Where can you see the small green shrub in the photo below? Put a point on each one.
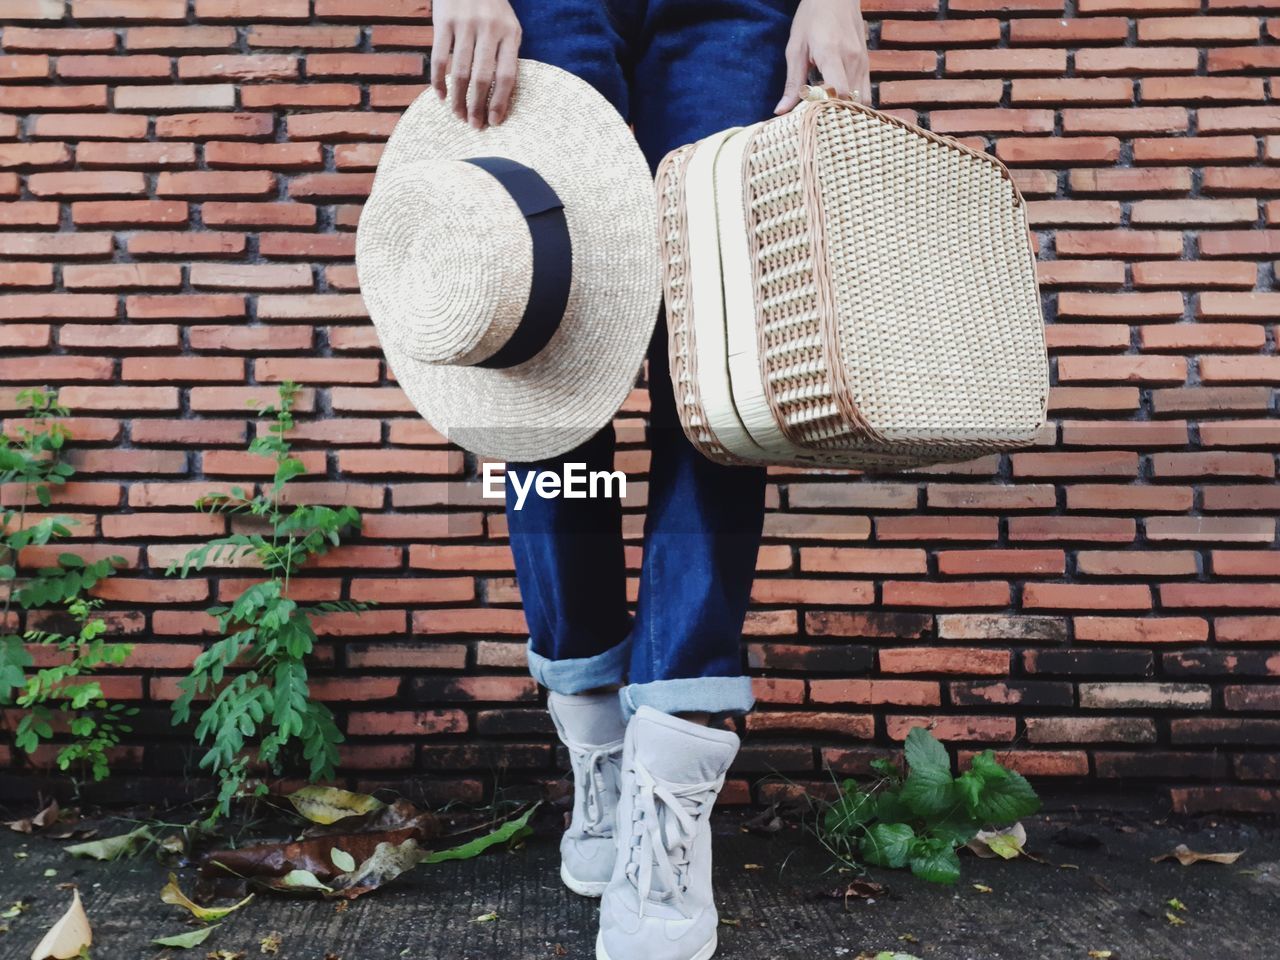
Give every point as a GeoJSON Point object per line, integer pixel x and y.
{"type": "Point", "coordinates": [921, 820]}
{"type": "Point", "coordinates": [66, 693]}
{"type": "Point", "coordinates": [261, 711]}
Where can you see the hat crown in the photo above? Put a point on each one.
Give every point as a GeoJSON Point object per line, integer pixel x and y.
{"type": "Point", "coordinates": [445, 244]}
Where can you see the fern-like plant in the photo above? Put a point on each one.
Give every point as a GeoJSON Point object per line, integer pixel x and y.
{"type": "Point", "coordinates": [260, 712]}
{"type": "Point", "coordinates": [63, 694]}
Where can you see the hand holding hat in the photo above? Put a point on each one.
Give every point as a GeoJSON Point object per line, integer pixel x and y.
{"type": "Point", "coordinates": [512, 272]}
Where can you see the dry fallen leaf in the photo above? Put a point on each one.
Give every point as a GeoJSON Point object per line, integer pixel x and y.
{"type": "Point", "coordinates": [330, 804]}
{"type": "Point", "coordinates": [68, 936]}
{"type": "Point", "coordinates": [271, 942]}
{"type": "Point", "coordinates": [1100, 955]}
{"type": "Point", "coordinates": [1006, 842]}
{"type": "Point", "coordinates": [173, 894]}
{"type": "Point", "coordinates": [1186, 856]}
{"type": "Point", "coordinates": [46, 817]}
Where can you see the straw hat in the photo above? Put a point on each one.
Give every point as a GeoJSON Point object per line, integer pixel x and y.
{"type": "Point", "coordinates": [512, 273]}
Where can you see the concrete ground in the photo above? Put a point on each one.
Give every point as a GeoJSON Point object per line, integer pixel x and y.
{"type": "Point", "coordinates": [1112, 898]}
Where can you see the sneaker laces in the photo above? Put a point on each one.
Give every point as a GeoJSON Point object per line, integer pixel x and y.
{"type": "Point", "coordinates": [664, 823]}
{"type": "Point", "coordinates": [592, 767]}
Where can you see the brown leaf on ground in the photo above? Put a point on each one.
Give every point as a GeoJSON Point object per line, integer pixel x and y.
{"type": "Point", "coordinates": [857, 890]}
{"type": "Point", "coordinates": [45, 818]}
{"type": "Point", "coordinates": [1186, 856]}
{"type": "Point", "coordinates": [358, 836]}
{"type": "Point", "coordinates": [67, 938]}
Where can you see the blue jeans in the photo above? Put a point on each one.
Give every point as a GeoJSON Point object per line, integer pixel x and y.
{"type": "Point", "coordinates": [678, 70]}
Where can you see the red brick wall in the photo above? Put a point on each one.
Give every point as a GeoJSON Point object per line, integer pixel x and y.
{"type": "Point", "coordinates": [180, 184]}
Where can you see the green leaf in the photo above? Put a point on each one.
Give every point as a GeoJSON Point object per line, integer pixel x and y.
{"type": "Point", "coordinates": [508, 831]}
{"type": "Point", "coordinates": [890, 808]}
{"type": "Point", "coordinates": [930, 792]}
{"type": "Point", "coordinates": [925, 755]}
{"type": "Point", "coordinates": [852, 810]}
{"type": "Point", "coordinates": [887, 844]}
{"type": "Point", "coordinates": [183, 941]}
{"type": "Point", "coordinates": [300, 880]}
{"type": "Point", "coordinates": [342, 860]}
{"type": "Point", "coordinates": [935, 860]}
{"type": "Point", "coordinates": [112, 848]}
{"type": "Point", "coordinates": [1006, 801]}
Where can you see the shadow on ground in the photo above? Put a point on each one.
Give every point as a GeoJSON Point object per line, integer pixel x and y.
{"type": "Point", "coordinates": [1112, 897]}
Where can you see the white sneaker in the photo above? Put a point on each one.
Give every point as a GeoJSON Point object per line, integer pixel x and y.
{"type": "Point", "coordinates": [591, 726]}
{"type": "Point", "coordinates": [659, 903]}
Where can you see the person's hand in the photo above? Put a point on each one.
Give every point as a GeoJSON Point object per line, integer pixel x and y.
{"type": "Point", "coordinates": [829, 35]}
{"type": "Point", "coordinates": [476, 44]}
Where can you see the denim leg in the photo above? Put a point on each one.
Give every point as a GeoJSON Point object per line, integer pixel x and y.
{"type": "Point", "coordinates": [573, 580]}
{"type": "Point", "coordinates": [705, 66]}
{"type": "Point", "coordinates": [569, 553]}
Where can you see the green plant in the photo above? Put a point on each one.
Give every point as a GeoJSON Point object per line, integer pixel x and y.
{"type": "Point", "coordinates": [64, 693]}
{"type": "Point", "coordinates": [920, 820]}
{"type": "Point", "coordinates": [260, 711]}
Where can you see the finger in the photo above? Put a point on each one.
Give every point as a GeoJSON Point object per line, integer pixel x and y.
{"type": "Point", "coordinates": [482, 70]}
{"type": "Point", "coordinates": [797, 67]}
{"type": "Point", "coordinates": [460, 70]}
{"type": "Point", "coordinates": [504, 81]}
{"type": "Point", "coordinates": [855, 68]}
{"type": "Point", "coordinates": [440, 58]}
{"type": "Point", "coordinates": [833, 72]}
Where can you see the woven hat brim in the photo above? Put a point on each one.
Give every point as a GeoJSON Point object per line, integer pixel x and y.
{"type": "Point", "coordinates": [574, 138]}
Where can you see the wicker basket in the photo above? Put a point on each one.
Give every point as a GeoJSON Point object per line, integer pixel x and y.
{"type": "Point", "coordinates": [846, 289]}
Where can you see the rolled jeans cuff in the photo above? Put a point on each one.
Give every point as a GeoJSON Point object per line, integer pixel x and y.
{"type": "Point", "coordinates": [581, 674]}
{"type": "Point", "coordinates": [690, 695]}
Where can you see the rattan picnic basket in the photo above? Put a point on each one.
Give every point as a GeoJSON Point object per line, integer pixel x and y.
{"type": "Point", "coordinates": [846, 289]}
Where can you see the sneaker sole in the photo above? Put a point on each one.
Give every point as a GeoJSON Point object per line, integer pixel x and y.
{"type": "Point", "coordinates": [584, 888]}
{"type": "Point", "coordinates": [704, 954]}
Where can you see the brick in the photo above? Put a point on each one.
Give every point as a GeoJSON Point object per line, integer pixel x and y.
{"type": "Point", "coordinates": [202, 183]}
{"type": "Point", "coordinates": [1129, 563]}
{"type": "Point", "coordinates": [1006, 62]}
{"type": "Point", "coordinates": [104, 183]}
{"type": "Point", "coordinates": [122, 154]}
{"type": "Point", "coordinates": [58, 39]}
{"type": "Point", "coordinates": [250, 68]}
{"type": "Point", "coordinates": [944, 660]}
{"type": "Point", "coordinates": [1068, 32]}
{"type": "Point", "coordinates": [167, 10]}
{"type": "Point", "coordinates": [98, 67]}
{"type": "Point", "coordinates": [34, 155]}
{"type": "Point", "coordinates": [1124, 61]}
{"type": "Point", "coordinates": [1194, 149]}
{"type": "Point", "coordinates": [295, 156]}
{"type": "Point", "coordinates": [79, 126]}
{"type": "Point", "coordinates": [1109, 90]}
{"type": "Point", "coordinates": [179, 39]}
{"type": "Point", "coordinates": [1198, 29]}
{"type": "Point", "coordinates": [78, 97]}
{"type": "Point", "coordinates": [252, 9]}
{"type": "Point", "coordinates": [365, 65]}
{"type": "Point", "coordinates": [207, 244]}
{"type": "Point", "coordinates": [120, 276]}
{"type": "Point", "coordinates": [275, 95]}
{"type": "Point", "coordinates": [991, 121]}
{"type": "Point", "coordinates": [123, 213]}
{"type": "Point", "coordinates": [1145, 696]}
{"type": "Point", "coordinates": [1090, 730]}
{"type": "Point", "coordinates": [251, 276]}
{"type": "Point", "coordinates": [1239, 119]}
{"type": "Point", "coordinates": [212, 126]}
{"type": "Point", "coordinates": [998, 693]}
{"type": "Point", "coordinates": [212, 96]}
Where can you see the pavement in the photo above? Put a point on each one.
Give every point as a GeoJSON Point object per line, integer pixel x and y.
{"type": "Point", "coordinates": [779, 898]}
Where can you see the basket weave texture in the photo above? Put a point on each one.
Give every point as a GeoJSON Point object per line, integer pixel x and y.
{"type": "Point", "coordinates": [897, 319]}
